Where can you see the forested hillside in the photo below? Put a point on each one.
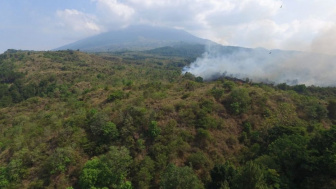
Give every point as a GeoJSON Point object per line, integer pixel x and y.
{"type": "Point", "coordinates": [133, 120]}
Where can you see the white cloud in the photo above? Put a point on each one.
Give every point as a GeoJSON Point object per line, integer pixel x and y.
{"type": "Point", "coordinates": [214, 18]}
{"type": "Point", "coordinates": [82, 24]}
{"type": "Point", "coordinates": [113, 13]}
{"type": "Point", "coordinates": [299, 24]}
{"type": "Point", "coordinates": [250, 23]}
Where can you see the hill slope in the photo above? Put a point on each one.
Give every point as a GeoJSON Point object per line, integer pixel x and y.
{"type": "Point", "coordinates": [134, 38]}
{"type": "Point", "coordinates": [70, 119]}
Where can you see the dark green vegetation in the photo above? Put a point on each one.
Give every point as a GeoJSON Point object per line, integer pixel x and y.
{"type": "Point", "coordinates": [132, 120]}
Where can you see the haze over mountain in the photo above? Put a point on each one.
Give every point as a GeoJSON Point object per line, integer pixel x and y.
{"type": "Point", "coordinates": [135, 38]}
{"type": "Point", "coordinates": [214, 60]}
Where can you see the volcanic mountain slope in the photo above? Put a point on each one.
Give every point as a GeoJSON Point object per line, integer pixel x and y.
{"type": "Point", "coordinates": [135, 38]}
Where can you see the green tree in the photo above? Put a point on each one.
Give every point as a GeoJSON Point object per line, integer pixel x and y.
{"type": "Point", "coordinates": [154, 130]}
{"type": "Point", "coordinates": [189, 76]}
{"type": "Point", "coordinates": [250, 176]}
{"type": "Point", "coordinates": [290, 153]}
{"type": "Point", "coordinates": [101, 129]}
{"type": "Point", "coordinates": [300, 88]}
{"type": "Point", "coordinates": [222, 175]}
{"type": "Point", "coordinates": [315, 110]}
{"type": "Point", "coordinates": [229, 85]}
{"type": "Point", "coordinates": [324, 146]}
{"type": "Point", "coordinates": [144, 175]}
{"type": "Point", "coordinates": [179, 178]}
{"type": "Point", "coordinates": [238, 101]}
{"type": "Point", "coordinates": [283, 86]}
{"type": "Point", "coordinates": [198, 160]}
{"type": "Point", "coordinates": [199, 79]}
{"type": "Point", "coordinates": [59, 160]}
{"type": "Point", "coordinates": [108, 170]}
{"type": "Point", "coordinates": [110, 131]}
{"type": "Point", "coordinates": [332, 109]}
{"type": "Point", "coordinates": [16, 170]}
{"type": "Point", "coordinates": [90, 175]}
{"type": "Point", "coordinates": [217, 93]}
{"type": "Point", "coordinates": [3, 178]}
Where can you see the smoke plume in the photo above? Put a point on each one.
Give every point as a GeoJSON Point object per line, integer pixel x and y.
{"type": "Point", "coordinates": [261, 65]}
{"type": "Point", "coordinates": [325, 42]}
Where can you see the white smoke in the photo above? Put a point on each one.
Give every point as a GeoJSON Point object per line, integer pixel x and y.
{"type": "Point", "coordinates": [325, 42]}
{"type": "Point", "coordinates": [262, 65]}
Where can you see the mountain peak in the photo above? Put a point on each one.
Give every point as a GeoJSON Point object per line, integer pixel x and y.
{"type": "Point", "coordinates": [136, 37]}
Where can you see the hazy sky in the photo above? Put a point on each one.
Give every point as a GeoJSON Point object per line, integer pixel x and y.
{"type": "Point", "coordinates": [308, 25]}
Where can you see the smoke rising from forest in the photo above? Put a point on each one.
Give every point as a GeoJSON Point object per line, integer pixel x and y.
{"type": "Point", "coordinates": [261, 65]}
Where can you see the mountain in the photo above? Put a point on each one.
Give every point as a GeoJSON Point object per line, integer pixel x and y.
{"type": "Point", "coordinates": [135, 38]}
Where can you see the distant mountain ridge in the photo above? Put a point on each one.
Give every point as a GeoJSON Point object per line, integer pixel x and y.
{"type": "Point", "coordinates": [135, 38]}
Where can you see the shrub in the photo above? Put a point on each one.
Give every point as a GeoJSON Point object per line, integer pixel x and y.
{"type": "Point", "coordinates": [247, 127]}
{"type": "Point", "coordinates": [189, 76]}
{"type": "Point", "coordinates": [60, 160]}
{"type": "Point", "coordinates": [144, 175]}
{"type": "Point", "coordinates": [316, 111]}
{"type": "Point", "coordinates": [231, 141]}
{"type": "Point", "coordinates": [116, 95]}
{"type": "Point", "coordinates": [198, 160]}
{"type": "Point", "coordinates": [239, 101]}
{"type": "Point", "coordinates": [217, 93]}
{"type": "Point", "coordinates": [283, 86]}
{"type": "Point", "coordinates": [206, 105]}
{"type": "Point", "coordinates": [332, 109]}
{"type": "Point", "coordinates": [199, 79]}
{"type": "Point", "coordinates": [16, 170]}
{"type": "Point", "coordinates": [185, 96]}
{"type": "Point", "coordinates": [207, 122]}
{"type": "Point", "coordinates": [203, 134]}
{"type": "Point", "coordinates": [190, 85]}
{"type": "Point", "coordinates": [154, 130]}
{"type": "Point", "coordinates": [229, 85]}
{"type": "Point", "coordinates": [3, 177]}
